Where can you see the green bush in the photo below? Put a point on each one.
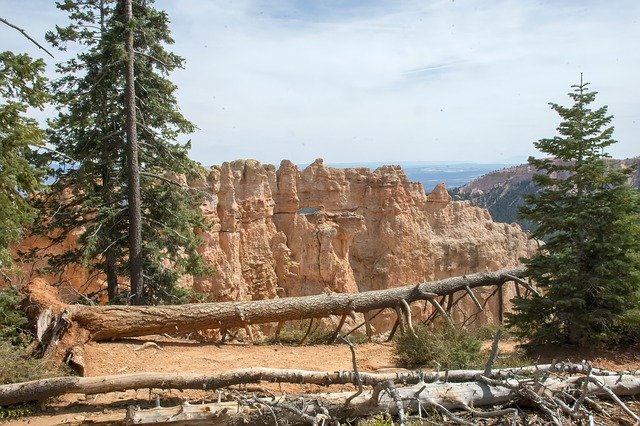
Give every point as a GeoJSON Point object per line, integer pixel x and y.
{"type": "Point", "coordinates": [12, 321]}
{"type": "Point", "coordinates": [17, 363]}
{"type": "Point", "coordinates": [449, 347]}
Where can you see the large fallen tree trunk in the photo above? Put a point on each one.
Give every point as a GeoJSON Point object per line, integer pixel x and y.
{"type": "Point", "coordinates": [105, 322]}
{"type": "Point", "coordinates": [38, 390]}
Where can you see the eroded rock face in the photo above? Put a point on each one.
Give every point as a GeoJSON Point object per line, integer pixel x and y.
{"type": "Point", "coordinates": [291, 232]}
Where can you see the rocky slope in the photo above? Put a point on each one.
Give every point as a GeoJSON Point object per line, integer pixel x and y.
{"type": "Point", "coordinates": [501, 191]}
{"type": "Point", "coordinates": [290, 232]}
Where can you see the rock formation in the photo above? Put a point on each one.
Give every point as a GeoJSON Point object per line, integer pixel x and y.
{"type": "Point", "coordinates": [291, 232]}
{"type": "Point", "coordinates": [502, 191]}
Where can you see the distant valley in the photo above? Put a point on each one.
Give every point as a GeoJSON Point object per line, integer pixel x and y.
{"type": "Point", "coordinates": [497, 187]}
{"type": "Point", "coordinates": [431, 173]}
{"type": "Point", "coordinates": [501, 191]}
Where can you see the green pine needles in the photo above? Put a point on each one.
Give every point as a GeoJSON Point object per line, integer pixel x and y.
{"type": "Point", "coordinates": [589, 217]}
{"type": "Point", "coordinates": [89, 195]}
{"type": "Point", "coordinates": [22, 86]}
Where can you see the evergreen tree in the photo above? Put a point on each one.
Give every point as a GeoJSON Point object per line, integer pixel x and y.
{"type": "Point", "coordinates": [589, 268]}
{"type": "Point", "coordinates": [22, 86]}
{"type": "Point", "coordinates": [90, 195]}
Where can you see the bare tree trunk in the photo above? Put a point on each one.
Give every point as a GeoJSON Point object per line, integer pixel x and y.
{"type": "Point", "coordinates": [133, 170]}
{"type": "Point", "coordinates": [445, 398]}
{"type": "Point", "coordinates": [476, 392]}
{"type": "Point", "coordinates": [106, 322]}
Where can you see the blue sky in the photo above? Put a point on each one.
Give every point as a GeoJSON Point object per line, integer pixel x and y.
{"type": "Point", "coordinates": [389, 81]}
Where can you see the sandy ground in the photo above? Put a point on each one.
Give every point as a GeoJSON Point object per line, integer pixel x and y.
{"type": "Point", "coordinates": [180, 355]}
{"type": "Point", "coordinates": [175, 355]}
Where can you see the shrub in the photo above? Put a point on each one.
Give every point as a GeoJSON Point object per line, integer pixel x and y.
{"type": "Point", "coordinates": [17, 364]}
{"type": "Point", "coordinates": [449, 347]}
{"type": "Point", "coordinates": [12, 321]}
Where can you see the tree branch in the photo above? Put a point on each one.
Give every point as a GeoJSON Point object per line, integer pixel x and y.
{"type": "Point", "coordinates": [24, 33]}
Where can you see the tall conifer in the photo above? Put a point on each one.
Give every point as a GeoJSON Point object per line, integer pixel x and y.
{"type": "Point", "coordinates": [589, 218]}
{"type": "Point", "coordinates": [90, 195]}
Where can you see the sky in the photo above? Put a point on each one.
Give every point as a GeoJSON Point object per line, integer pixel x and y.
{"type": "Point", "coordinates": [384, 81]}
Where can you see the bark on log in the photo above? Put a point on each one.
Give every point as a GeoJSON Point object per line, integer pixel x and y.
{"type": "Point", "coordinates": [327, 406]}
{"type": "Point", "coordinates": [38, 390]}
{"type": "Point", "coordinates": [106, 322]}
{"type": "Point", "coordinates": [320, 407]}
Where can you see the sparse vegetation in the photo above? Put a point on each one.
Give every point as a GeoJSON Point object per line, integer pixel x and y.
{"type": "Point", "coordinates": [454, 348]}
{"type": "Point", "coordinates": [293, 332]}
{"type": "Point", "coordinates": [449, 348]}
{"type": "Point", "coordinates": [17, 363]}
{"type": "Point", "coordinates": [15, 411]}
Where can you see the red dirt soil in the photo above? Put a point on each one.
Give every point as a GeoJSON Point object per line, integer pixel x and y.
{"type": "Point", "coordinates": [180, 355]}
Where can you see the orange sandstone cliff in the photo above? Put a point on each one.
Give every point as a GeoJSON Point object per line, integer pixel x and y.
{"type": "Point", "coordinates": [290, 232]}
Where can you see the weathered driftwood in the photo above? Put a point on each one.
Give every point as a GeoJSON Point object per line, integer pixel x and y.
{"type": "Point", "coordinates": [106, 322]}
{"type": "Point", "coordinates": [38, 390]}
{"type": "Point", "coordinates": [316, 408]}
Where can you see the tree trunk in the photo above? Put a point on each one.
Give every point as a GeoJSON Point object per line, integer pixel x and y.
{"type": "Point", "coordinates": [38, 390]}
{"type": "Point", "coordinates": [317, 408]}
{"type": "Point", "coordinates": [133, 169]}
{"type": "Point", "coordinates": [106, 322]}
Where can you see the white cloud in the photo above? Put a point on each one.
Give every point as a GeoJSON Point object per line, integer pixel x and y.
{"type": "Point", "coordinates": [390, 81]}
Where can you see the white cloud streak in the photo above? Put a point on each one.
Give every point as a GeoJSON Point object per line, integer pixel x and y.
{"type": "Point", "coordinates": [391, 80]}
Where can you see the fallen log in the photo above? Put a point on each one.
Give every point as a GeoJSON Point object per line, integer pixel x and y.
{"type": "Point", "coordinates": [106, 322]}
{"type": "Point", "coordinates": [39, 390]}
{"type": "Point", "coordinates": [445, 398]}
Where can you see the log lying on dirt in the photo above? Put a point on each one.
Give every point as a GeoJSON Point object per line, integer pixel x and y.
{"type": "Point", "coordinates": [38, 390]}
{"type": "Point", "coordinates": [105, 322]}
{"type": "Point", "coordinates": [447, 399]}
{"type": "Point", "coordinates": [444, 398]}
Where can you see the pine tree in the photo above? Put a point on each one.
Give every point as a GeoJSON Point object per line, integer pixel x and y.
{"type": "Point", "coordinates": [90, 195]}
{"type": "Point", "coordinates": [22, 86]}
{"type": "Point", "coordinates": [589, 218]}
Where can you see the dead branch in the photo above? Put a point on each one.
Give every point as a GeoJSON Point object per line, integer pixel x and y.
{"type": "Point", "coordinates": [510, 379]}
{"type": "Point", "coordinates": [525, 284]}
{"type": "Point", "coordinates": [24, 33]}
{"type": "Point", "coordinates": [494, 353]}
{"type": "Point", "coordinates": [407, 314]}
{"type": "Point", "coordinates": [355, 369]}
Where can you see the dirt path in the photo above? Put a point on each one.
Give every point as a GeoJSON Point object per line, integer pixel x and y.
{"type": "Point", "coordinates": [180, 355]}
{"type": "Point", "coordinates": [176, 355]}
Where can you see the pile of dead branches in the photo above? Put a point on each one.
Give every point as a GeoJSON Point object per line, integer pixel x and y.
{"type": "Point", "coordinates": [561, 393]}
